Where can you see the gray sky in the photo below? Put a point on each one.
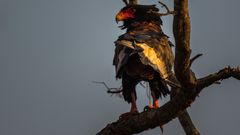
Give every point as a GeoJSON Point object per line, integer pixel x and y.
{"type": "Point", "coordinates": [52, 50]}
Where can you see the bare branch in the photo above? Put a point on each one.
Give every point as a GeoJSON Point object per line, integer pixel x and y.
{"type": "Point", "coordinates": [152, 118]}
{"type": "Point", "coordinates": [133, 2]}
{"type": "Point", "coordinates": [181, 30]}
{"type": "Point", "coordinates": [169, 12]}
{"type": "Point", "coordinates": [194, 58]}
{"type": "Point", "coordinates": [222, 74]}
{"type": "Point", "coordinates": [191, 87]}
{"type": "Point", "coordinates": [166, 7]}
{"type": "Point", "coordinates": [187, 124]}
{"type": "Point", "coordinates": [110, 90]}
{"type": "Point", "coordinates": [184, 118]}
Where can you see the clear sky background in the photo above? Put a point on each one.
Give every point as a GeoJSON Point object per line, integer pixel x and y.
{"type": "Point", "coordinates": [52, 50]}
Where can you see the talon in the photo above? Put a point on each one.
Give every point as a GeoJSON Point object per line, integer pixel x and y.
{"type": "Point", "coordinates": [149, 107]}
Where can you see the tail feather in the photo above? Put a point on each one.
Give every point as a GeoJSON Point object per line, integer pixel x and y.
{"type": "Point", "coordinates": [159, 87]}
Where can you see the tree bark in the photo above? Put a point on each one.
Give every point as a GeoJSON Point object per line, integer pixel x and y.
{"type": "Point", "coordinates": [154, 117]}
{"type": "Point", "coordinates": [133, 2]}
{"type": "Point", "coordinates": [190, 85]}
{"type": "Point", "coordinates": [181, 30]}
{"type": "Point", "coordinates": [187, 124]}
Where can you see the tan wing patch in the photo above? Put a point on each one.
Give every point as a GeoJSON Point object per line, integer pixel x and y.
{"type": "Point", "coordinates": [149, 57]}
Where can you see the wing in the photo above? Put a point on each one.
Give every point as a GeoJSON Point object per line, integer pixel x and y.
{"type": "Point", "coordinates": [153, 48]}
{"type": "Point", "coordinates": [157, 53]}
{"type": "Point", "coordinates": [123, 51]}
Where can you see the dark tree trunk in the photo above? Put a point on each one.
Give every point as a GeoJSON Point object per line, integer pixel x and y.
{"type": "Point", "coordinates": [184, 96]}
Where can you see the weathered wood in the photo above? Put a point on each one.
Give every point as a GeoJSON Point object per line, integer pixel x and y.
{"type": "Point", "coordinates": [184, 118]}
{"type": "Point", "coordinates": [181, 31]}
{"type": "Point", "coordinates": [175, 107]}
{"type": "Point", "coordinates": [187, 124]}
{"type": "Point", "coordinates": [220, 75]}
{"type": "Point", "coordinates": [133, 2]}
{"type": "Point", "coordinates": [191, 87]}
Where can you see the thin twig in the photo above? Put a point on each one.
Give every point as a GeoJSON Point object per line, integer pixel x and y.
{"type": "Point", "coordinates": [167, 9]}
{"type": "Point", "coordinates": [195, 57]}
{"type": "Point", "coordinates": [110, 90]}
{"type": "Point", "coordinates": [133, 2]}
{"type": "Point", "coordinates": [164, 5]}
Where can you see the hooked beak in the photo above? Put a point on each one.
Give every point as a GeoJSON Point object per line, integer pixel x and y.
{"type": "Point", "coordinates": [119, 17]}
{"type": "Point", "coordinates": [116, 20]}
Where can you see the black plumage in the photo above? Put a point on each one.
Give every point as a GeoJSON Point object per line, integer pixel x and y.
{"type": "Point", "coordinates": [143, 53]}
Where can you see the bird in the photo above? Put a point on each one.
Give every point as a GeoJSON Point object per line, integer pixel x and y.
{"type": "Point", "coordinates": [143, 53]}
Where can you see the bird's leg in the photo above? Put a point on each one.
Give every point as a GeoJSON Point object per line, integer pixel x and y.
{"type": "Point", "coordinates": [156, 105]}
{"type": "Point", "coordinates": [133, 104]}
{"type": "Point", "coordinates": [155, 101]}
{"type": "Point", "coordinates": [133, 109]}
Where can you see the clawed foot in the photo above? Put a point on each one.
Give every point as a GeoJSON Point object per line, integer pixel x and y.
{"type": "Point", "coordinates": [150, 107]}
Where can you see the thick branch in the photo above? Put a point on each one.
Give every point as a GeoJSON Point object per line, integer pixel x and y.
{"type": "Point", "coordinates": [172, 109]}
{"type": "Point", "coordinates": [152, 118]}
{"type": "Point", "coordinates": [222, 74]}
{"type": "Point", "coordinates": [190, 86]}
{"type": "Point", "coordinates": [187, 124]}
{"type": "Point", "coordinates": [181, 30]}
{"type": "Point", "coordinates": [184, 118]}
{"type": "Point", "coordinates": [133, 2]}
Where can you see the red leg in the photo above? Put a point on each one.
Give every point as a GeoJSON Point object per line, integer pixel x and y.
{"type": "Point", "coordinates": [133, 104]}
{"type": "Point", "coordinates": [155, 101]}
{"type": "Point", "coordinates": [156, 105]}
{"type": "Point", "coordinates": [133, 109]}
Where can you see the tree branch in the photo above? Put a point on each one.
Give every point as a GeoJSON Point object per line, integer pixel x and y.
{"type": "Point", "coordinates": [184, 118]}
{"type": "Point", "coordinates": [172, 109]}
{"type": "Point", "coordinates": [163, 14]}
{"type": "Point", "coordinates": [111, 91]}
{"type": "Point", "coordinates": [194, 58]}
{"type": "Point", "coordinates": [191, 87]}
{"type": "Point", "coordinates": [166, 7]}
{"type": "Point", "coordinates": [151, 118]}
{"type": "Point", "coordinates": [187, 124]}
{"type": "Point", "coordinates": [181, 30]}
{"type": "Point", "coordinates": [220, 75]}
{"type": "Point", "coordinates": [133, 2]}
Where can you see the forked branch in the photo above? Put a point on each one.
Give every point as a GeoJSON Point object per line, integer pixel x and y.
{"type": "Point", "coordinates": [220, 75]}
{"type": "Point", "coordinates": [110, 90]}
{"type": "Point", "coordinates": [186, 95]}
{"type": "Point", "coordinates": [169, 12]}
{"type": "Point", "coordinates": [167, 9]}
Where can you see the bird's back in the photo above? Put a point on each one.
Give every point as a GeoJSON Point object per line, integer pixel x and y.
{"type": "Point", "coordinates": [147, 40]}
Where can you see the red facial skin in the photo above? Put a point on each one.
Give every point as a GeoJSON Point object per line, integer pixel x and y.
{"type": "Point", "coordinates": [125, 14]}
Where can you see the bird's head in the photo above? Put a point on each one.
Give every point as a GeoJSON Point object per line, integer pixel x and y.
{"type": "Point", "coordinates": [137, 13]}
{"type": "Point", "coordinates": [126, 13]}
